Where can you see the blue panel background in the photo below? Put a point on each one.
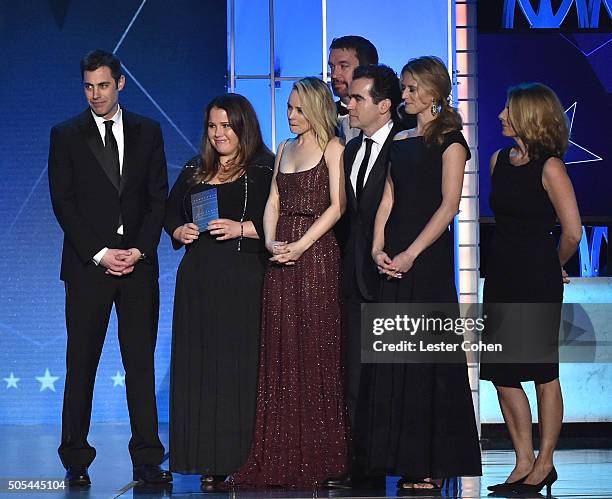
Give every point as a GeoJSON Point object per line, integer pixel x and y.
{"type": "Point", "coordinates": [577, 67]}
{"type": "Point", "coordinates": [176, 53]}
{"type": "Point", "coordinates": [399, 31]}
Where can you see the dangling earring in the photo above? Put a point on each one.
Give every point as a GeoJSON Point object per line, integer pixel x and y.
{"type": "Point", "coordinates": [435, 107]}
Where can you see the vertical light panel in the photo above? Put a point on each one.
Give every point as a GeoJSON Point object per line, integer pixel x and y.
{"type": "Point", "coordinates": [272, 73]}
{"type": "Point", "coordinates": [298, 51]}
{"type": "Point", "coordinates": [467, 223]}
{"type": "Point", "coordinates": [324, 39]}
{"type": "Point", "coordinates": [276, 42]}
{"type": "Point", "coordinates": [231, 30]}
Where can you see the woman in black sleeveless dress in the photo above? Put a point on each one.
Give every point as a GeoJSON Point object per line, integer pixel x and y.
{"type": "Point", "coordinates": [420, 421]}
{"type": "Point", "coordinates": [530, 190]}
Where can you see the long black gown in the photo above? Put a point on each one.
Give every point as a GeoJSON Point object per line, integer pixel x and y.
{"type": "Point", "coordinates": [418, 419]}
{"type": "Point", "coordinates": [215, 329]}
{"type": "Point", "coordinates": [522, 267]}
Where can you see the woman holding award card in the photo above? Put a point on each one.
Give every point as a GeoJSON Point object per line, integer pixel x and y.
{"type": "Point", "coordinates": [217, 302]}
{"type": "Point", "coordinates": [300, 429]}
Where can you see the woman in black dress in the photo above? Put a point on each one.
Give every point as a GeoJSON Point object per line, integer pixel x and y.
{"type": "Point", "coordinates": [421, 424]}
{"type": "Point", "coordinates": [530, 190]}
{"type": "Point", "coordinates": [217, 303]}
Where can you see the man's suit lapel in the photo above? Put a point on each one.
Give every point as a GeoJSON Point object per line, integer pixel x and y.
{"type": "Point", "coordinates": [379, 168]}
{"type": "Point", "coordinates": [94, 141]}
{"type": "Point", "coordinates": [349, 158]}
{"type": "Point", "coordinates": [131, 132]}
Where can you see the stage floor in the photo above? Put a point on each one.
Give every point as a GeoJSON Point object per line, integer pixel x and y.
{"type": "Point", "coordinates": [30, 454]}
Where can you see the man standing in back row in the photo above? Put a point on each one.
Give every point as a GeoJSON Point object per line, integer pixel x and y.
{"type": "Point", "coordinates": [345, 54]}
{"type": "Point", "coordinates": [108, 185]}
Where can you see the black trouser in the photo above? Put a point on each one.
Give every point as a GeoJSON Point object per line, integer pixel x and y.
{"type": "Point", "coordinates": [357, 380]}
{"type": "Point", "coordinates": [352, 365]}
{"type": "Point", "coordinates": [89, 301]}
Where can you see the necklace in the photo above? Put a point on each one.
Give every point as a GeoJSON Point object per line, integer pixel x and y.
{"type": "Point", "coordinates": [519, 157]}
{"type": "Point", "coordinates": [246, 198]}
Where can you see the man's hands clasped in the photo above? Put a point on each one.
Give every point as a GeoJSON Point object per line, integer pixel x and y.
{"type": "Point", "coordinates": [120, 262]}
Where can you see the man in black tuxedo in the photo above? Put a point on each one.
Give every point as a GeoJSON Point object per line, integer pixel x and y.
{"type": "Point", "coordinates": [374, 95]}
{"type": "Point", "coordinates": [345, 54]}
{"type": "Point", "coordinates": [108, 185]}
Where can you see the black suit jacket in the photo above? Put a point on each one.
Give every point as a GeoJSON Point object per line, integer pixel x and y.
{"type": "Point", "coordinates": [87, 202]}
{"type": "Point", "coordinates": [359, 271]}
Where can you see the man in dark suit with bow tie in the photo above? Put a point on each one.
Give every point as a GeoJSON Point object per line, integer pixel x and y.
{"type": "Point", "coordinates": [108, 185]}
{"type": "Point", "coordinates": [374, 95]}
{"type": "Point", "coordinates": [345, 54]}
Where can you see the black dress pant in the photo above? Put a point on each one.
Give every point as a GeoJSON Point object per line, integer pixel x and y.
{"type": "Point", "coordinates": [352, 361]}
{"type": "Point", "coordinates": [357, 380]}
{"type": "Point", "coordinates": [89, 301]}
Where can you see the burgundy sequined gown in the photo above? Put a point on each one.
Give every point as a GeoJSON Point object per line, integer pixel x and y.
{"type": "Point", "coordinates": [300, 428]}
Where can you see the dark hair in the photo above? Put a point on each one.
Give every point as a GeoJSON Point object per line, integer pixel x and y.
{"type": "Point", "coordinates": [99, 58]}
{"type": "Point", "coordinates": [365, 50]}
{"type": "Point", "coordinates": [244, 123]}
{"type": "Point", "coordinates": [431, 74]}
{"type": "Point", "coordinates": [385, 84]}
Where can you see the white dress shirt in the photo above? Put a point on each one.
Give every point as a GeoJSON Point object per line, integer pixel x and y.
{"type": "Point", "coordinates": [346, 132]}
{"type": "Point", "coordinates": [118, 133]}
{"type": "Point", "coordinates": [378, 139]}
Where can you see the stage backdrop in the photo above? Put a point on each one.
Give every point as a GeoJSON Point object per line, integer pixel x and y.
{"type": "Point", "coordinates": [175, 61]}
{"type": "Point", "coordinates": [575, 63]}
{"type": "Point", "coordinates": [399, 34]}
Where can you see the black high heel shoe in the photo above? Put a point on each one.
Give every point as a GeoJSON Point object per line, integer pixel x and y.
{"type": "Point", "coordinates": [506, 486]}
{"type": "Point", "coordinates": [528, 488]}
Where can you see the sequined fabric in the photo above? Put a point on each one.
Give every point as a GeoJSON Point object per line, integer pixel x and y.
{"type": "Point", "coordinates": [300, 428]}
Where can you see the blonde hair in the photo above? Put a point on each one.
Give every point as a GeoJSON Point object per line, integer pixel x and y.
{"type": "Point", "coordinates": [318, 107]}
{"type": "Point", "coordinates": [538, 119]}
{"type": "Point", "coordinates": [431, 73]}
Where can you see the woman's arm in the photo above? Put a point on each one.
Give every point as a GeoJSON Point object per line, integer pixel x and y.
{"type": "Point", "coordinates": [225, 228]}
{"type": "Point", "coordinates": [453, 167]}
{"type": "Point", "coordinates": [271, 212]}
{"type": "Point", "coordinates": [175, 222]}
{"type": "Point", "coordinates": [383, 262]}
{"type": "Point", "coordinates": [262, 176]}
{"type": "Point", "coordinates": [333, 158]}
{"type": "Point", "coordinates": [493, 162]}
{"type": "Point", "coordinates": [561, 193]}
{"type": "Point", "coordinates": [259, 189]}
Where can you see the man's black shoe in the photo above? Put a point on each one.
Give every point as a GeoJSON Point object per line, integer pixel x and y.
{"type": "Point", "coordinates": [151, 473]}
{"type": "Point", "coordinates": [77, 477]}
{"type": "Point", "coordinates": [344, 482]}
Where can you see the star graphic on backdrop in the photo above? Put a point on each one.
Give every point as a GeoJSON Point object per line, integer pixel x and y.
{"type": "Point", "coordinates": [47, 381]}
{"type": "Point", "coordinates": [575, 152]}
{"type": "Point", "coordinates": [118, 379]}
{"type": "Point", "coordinates": [11, 381]}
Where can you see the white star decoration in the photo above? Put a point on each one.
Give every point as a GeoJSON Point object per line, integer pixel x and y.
{"type": "Point", "coordinates": [118, 379]}
{"type": "Point", "coordinates": [584, 155]}
{"type": "Point", "coordinates": [47, 381]}
{"type": "Point", "coordinates": [11, 381]}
